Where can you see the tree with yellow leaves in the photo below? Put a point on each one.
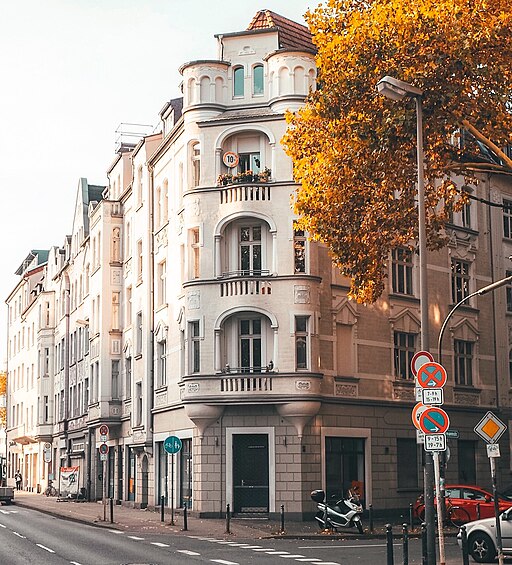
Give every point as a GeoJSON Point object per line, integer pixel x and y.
{"type": "Point", "coordinates": [354, 151]}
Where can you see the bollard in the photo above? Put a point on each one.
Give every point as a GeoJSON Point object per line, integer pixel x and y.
{"type": "Point", "coordinates": [465, 549]}
{"type": "Point", "coordinates": [405, 544]}
{"type": "Point", "coordinates": [389, 544]}
{"type": "Point", "coordinates": [185, 519]}
{"type": "Point", "coordinates": [424, 550]}
{"type": "Point", "coordinates": [478, 510]}
{"type": "Point", "coordinates": [162, 501]}
{"type": "Point", "coordinates": [411, 516]}
{"type": "Point", "coordinates": [282, 518]}
{"type": "Point", "coordinates": [370, 517]}
{"type": "Point", "coordinates": [111, 510]}
{"type": "Point", "coordinates": [228, 520]}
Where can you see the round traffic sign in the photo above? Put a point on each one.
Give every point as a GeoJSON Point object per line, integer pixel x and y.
{"type": "Point", "coordinates": [419, 359]}
{"type": "Point", "coordinates": [431, 375]}
{"type": "Point", "coordinates": [104, 430]}
{"type": "Point", "coordinates": [172, 444]}
{"type": "Point", "coordinates": [103, 449]}
{"type": "Point", "coordinates": [230, 159]}
{"type": "Point", "coordinates": [417, 411]}
{"type": "Point", "coordinates": [434, 421]}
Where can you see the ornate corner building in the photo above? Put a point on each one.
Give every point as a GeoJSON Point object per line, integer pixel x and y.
{"type": "Point", "coordinates": [184, 303]}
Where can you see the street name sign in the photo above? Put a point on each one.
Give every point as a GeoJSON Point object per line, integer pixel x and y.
{"type": "Point", "coordinates": [434, 421]}
{"type": "Point", "coordinates": [435, 442]}
{"type": "Point", "coordinates": [452, 434]}
{"type": "Point", "coordinates": [490, 428]}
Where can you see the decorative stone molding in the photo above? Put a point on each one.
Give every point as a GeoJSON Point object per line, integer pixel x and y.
{"type": "Point", "coordinates": [347, 390]}
{"type": "Point", "coordinates": [302, 294]}
{"type": "Point", "coordinates": [161, 398]}
{"type": "Point", "coordinates": [115, 411]}
{"type": "Point", "coordinates": [471, 398]}
{"type": "Point", "coordinates": [194, 300]}
{"type": "Point", "coordinates": [400, 393]}
{"type": "Point", "coordinates": [161, 238]}
{"type": "Point", "coordinates": [303, 385]}
{"type": "Point", "coordinates": [193, 388]}
{"type": "Point", "coordinates": [139, 436]}
{"type": "Point", "coordinates": [116, 276]}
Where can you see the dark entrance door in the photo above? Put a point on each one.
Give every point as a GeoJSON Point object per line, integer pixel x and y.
{"type": "Point", "coordinates": [250, 473]}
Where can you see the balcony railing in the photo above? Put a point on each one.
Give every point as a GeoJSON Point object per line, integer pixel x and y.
{"type": "Point", "coordinates": [245, 193]}
{"type": "Point", "coordinates": [260, 383]}
{"type": "Point", "coordinates": [245, 286]}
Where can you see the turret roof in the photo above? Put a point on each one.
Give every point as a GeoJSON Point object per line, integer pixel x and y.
{"type": "Point", "coordinates": [291, 34]}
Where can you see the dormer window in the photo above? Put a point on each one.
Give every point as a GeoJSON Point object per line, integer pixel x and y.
{"type": "Point", "coordinates": [257, 80]}
{"type": "Point", "coordinates": [238, 81]}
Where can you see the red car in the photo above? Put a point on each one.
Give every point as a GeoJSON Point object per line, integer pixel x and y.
{"type": "Point", "coordinates": [469, 499]}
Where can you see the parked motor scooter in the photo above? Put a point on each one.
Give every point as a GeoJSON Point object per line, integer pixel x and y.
{"type": "Point", "coordinates": [343, 513]}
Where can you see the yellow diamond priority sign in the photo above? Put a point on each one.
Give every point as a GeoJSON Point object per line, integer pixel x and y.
{"type": "Point", "coordinates": [490, 428]}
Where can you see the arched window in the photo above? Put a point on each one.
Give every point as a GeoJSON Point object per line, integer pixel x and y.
{"type": "Point", "coordinates": [257, 80]}
{"type": "Point", "coordinates": [196, 163]}
{"type": "Point", "coordinates": [204, 90]}
{"type": "Point", "coordinates": [238, 81]}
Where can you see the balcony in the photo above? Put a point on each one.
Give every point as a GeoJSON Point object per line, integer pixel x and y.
{"type": "Point", "coordinates": [243, 283]}
{"type": "Point", "coordinates": [251, 385]}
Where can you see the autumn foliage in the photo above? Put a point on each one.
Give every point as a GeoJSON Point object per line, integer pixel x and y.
{"type": "Point", "coordinates": [354, 151]}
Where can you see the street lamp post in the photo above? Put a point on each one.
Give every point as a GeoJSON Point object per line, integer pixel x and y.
{"type": "Point", "coordinates": [489, 288]}
{"type": "Point", "coordinates": [398, 90]}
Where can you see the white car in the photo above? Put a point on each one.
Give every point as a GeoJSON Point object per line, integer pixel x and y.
{"type": "Point", "coordinates": [482, 537]}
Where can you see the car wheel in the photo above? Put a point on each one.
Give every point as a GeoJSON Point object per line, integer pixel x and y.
{"type": "Point", "coordinates": [481, 548]}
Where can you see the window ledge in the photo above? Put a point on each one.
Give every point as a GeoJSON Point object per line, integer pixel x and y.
{"type": "Point", "coordinates": [400, 296]}
{"type": "Point", "coordinates": [467, 388]}
{"type": "Point", "coordinates": [466, 307]}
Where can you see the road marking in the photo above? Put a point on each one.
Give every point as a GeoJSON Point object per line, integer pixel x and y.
{"type": "Point", "coordinates": [226, 542]}
{"type": "Point", "coordinates": [158, 544]}
{"type": "Point", "coordinates": [75, 563]}
{"type": "Point", "coordinates": [252, 547]}
{"type": "Point", "coordinates": [272, 552]}
{"type": "Point", "coordinates": [290, 556]}
{"type": "Point", "coordinates": [45, 548]}
{"type": "Point", "coordinates": [135, 537]}
{"type": "Point", "coordinates": [224, 562]}
{"type": "Point", "coordinates": [115, 532]}
{"type": "Point", "coordinates": [362, 545]}
{"type": "Point", "coordinates": [2, 526]}
{"type": "Point", "coordinates": [310, 559]}
{"type": "Point", "coordinates": [19, 535]}
{"type": "Point", "coordinates": [187, 552]}
{"type": "Point", "coordinates": [329, 563]}
{"type": "Point", "coordinates": [262, 549]}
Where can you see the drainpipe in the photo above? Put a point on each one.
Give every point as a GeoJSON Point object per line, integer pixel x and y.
{"type": "Point", "coordinates": [66, 368]}
{"type": "Point", "coordinates": [151, 299]}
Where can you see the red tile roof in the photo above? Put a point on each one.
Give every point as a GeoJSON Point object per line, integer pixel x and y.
{"type": "Point", "coordinates": [291, 34]}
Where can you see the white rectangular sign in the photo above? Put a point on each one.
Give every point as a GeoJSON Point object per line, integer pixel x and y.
{"type": "Point", "coordinates": [418, 394]}
{"type": "Point", "coordinates": [420, 437]}
{"type": "Point", "coordinates": [103, 457]}
{"type": "Point", "coordinates": [493, 450]}
{"type": "Point", "coordinates": [433, 396]}
{"type": "Point", "coordinates": [435, 442]}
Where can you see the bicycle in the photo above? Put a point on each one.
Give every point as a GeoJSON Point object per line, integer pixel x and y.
{"type": "Point", "coordinates": [455, 516]}
{"type": "Point", "coordinates": [50, 489]}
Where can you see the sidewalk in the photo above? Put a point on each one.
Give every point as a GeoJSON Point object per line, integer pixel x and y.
{"type": "Point", "coordinates": [135, 520]}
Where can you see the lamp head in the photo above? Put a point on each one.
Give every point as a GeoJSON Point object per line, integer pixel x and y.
{"type": "Point", "coordinates": [397, 89]}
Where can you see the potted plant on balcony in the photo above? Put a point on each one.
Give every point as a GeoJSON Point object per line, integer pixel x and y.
{"type": "Point", "coordinates": [264, 175]}
{"type": "Point", "coordinates": [224, 179]}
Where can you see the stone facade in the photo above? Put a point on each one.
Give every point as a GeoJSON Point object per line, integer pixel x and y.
{"type": "Point", "coordinates": [185, 304]}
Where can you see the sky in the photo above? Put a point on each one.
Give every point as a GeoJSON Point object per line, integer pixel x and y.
{"type": "Point", "coordinates": [71, 71]}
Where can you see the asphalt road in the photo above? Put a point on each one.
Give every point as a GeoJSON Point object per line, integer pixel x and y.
{"type": "Point", "coordinates": [28, 537]}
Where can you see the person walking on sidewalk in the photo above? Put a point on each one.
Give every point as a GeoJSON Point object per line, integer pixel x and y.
{"type": "Point", "coordinates": [18, 478]}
